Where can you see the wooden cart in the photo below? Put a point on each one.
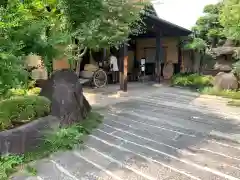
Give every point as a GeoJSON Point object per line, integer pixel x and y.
{"type": "Point", "coordinates": [97, 78]}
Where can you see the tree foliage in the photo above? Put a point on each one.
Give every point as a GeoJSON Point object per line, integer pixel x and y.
{"type": "Point", "coordinates": [197, 44]}
{"type": "Point", "coordinates": [236, 68]}
{"type": "Point", "coordinates": [110, 23]}
{"type": "Point", "coordinates": [22, 32]}
{"type": "Point", "coordinates": [208, 26]}
{"type": "Point", "coordinates": [230, 18]}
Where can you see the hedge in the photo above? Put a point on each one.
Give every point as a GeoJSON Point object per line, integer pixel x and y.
{"type": "Point", "coordinates": [19, 110]}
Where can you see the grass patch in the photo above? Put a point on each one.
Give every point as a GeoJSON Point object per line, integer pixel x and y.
{"type": "Point", "coordinates": [234, 103]}
{"type": "Point", "coordinates": [203, 84]}
{"type": "Point", "coordinates": [62, 139]}
{"type": "Point", "coordinates": [223, 93]}
{"type": "Point", "coordinates": [31, 170]}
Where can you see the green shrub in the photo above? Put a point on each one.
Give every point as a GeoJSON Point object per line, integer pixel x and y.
{"type": "Point", "coordinates": [31, 84]}
{"type": "Point", "coordinates": [7, 164]}
{"type": "Point", "coordinates": [16, 92]}
{"type": "Point", "coordinates": [181, 81]}
{"type": "Point", "coordinates": [22, 109]}
{"type": "Point", "coordinates": [192, 80]}
{"type": "Point", "coordinates": [58, 140]}
{"type": "Point", "coordinates": [223, 93]}
{"type": "Point", "coordinates": [34, 91]}
{"type": "Point", "coordinates": [22, 92]}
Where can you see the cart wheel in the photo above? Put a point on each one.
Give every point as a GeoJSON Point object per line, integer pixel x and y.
{"type": "Point", "coordinates": [100, 78]}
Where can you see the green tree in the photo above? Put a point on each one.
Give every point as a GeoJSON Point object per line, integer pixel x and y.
{"type": "Point", "coordinates": [109, 24]}
{"type": "Point", "coordinates": [230, 19]}
{"type": "Point", "coordinates": [36, 26]}
{"type": "Point", "coordinates": [208, 26]}
{"type": "Point", "coordinates": [198, 46]}
{"type": "Point", "coordinates": [22, 32]}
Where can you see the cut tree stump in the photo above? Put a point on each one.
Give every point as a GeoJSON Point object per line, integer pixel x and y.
{"type": "Point", "coordinates": [66, 94]}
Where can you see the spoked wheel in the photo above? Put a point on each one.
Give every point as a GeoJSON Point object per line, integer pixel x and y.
{"type": "Point", "coordinates": [100, 78]}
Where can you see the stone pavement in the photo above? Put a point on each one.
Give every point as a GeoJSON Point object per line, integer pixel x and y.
{"type": "Point", "coordinates": [153, 133]}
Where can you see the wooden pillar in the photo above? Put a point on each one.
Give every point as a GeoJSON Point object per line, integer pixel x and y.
{"type": "Point", "coordinates": [123, 67]}
{"type": "Point", "coordinates": [104, 56]}
{"type": "Point", "coordinates": [159, 56]}
{"type": "Point", "coordinates": [182, 65]}
{"type": "Point", "coordinates": [180, 60]}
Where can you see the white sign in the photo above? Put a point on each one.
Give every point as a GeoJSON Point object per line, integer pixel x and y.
{"type": "Point", "coordinates": [143, 61]}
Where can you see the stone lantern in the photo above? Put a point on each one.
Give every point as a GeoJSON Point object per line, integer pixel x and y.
{"type": "Point", "coordinates": [225, 79]}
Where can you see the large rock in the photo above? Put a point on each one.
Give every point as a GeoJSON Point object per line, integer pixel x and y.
{"type": "Point", "coordinates": [66, 94]}
{"type": "Point", "coordinates": [225, 81]}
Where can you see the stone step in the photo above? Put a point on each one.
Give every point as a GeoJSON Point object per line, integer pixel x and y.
{"type": "Point", "coordinates": [160, 130]}
{"type": "Point", "coordinates": [180, 104]}
{"type": "Point", "coordinates": [109, 165]}
{"type": "Point", "coordinates": [21, 176]}
{"type": "Point", "coordinates": [174, 124]}
{"type": "Point", "coordinates": [165, 155]}
{"type": "Point", "coordinates": [80, 168]}
{"type": "Point", "coordinates": [196, 105]}
{"type": "Point", "coordinates": [219, 152]}
{"type": "Point", "coordinates": [48, 170]}
{"type": "Point", "coordinates": [180, 98]}
{"type": "Point", "coordinates": [182, 111]}
{"type": "Point", "coordinates": [144, 166]}
{"type": "Point", "coordinates": [162, 111]}
{"type": "Point", "coordinates": [203, 157]}
{"type": "Point", "coordinates": [174, 139]}
{"type": "Point", "coordinates": [226, 152]}
{"type": "Point", "coordinates": [188, 124]}
{"type": "Point", "coordinates": [167, 122]}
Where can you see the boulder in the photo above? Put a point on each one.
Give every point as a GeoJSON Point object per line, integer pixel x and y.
{"type": "Point", "coordinates": [224, 81]}
{"type": "Point", "coordinates": [64, 90]}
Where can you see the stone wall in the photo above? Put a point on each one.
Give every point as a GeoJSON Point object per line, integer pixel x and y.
{"type": "Point", "coordinates": [26, 137]}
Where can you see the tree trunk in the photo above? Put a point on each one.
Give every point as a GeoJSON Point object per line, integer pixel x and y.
{"type": "Point", "coordinates": [79, 60]}
{"type": "Point", "coordinates": [78, 67]}
{"type": "Point", "coordinates": [201, 62]}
